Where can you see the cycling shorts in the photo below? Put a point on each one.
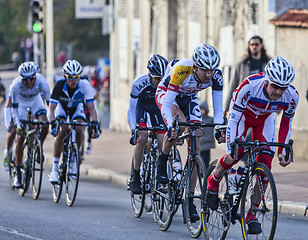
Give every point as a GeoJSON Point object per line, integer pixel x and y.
{"type": "Point", "coordinates": [70, 113]}
{"type": "Point", "coordinates": [36, 104]}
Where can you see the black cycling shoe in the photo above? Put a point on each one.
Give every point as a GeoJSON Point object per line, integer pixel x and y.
{"type": "Point", "coordinates": [162, 172]}
{"type": "Point", "coordinates": [17, 180]}
{"type": "Point", "coordinates": [135, 183]}
{"type": "Point", "coordinates": [212, 199]}
{"type": "Point", "coordinates": [194, 217]}
{"type": "Point", "coordinates": [254, 227]}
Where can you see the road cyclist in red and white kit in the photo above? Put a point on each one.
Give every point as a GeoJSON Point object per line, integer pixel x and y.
{"type": "Point", "coordinates": [143, 109]}
{"type": "Point", "coordinates": [26, 93]}
{"type": "Point", "coordinates": [178, 94]}
{"type": "Point", "coordinates": [254, 105]}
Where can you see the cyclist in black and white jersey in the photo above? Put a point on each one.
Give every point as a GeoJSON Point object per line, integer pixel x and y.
{"type": "Point", "coordinates": [26, 93]}
{"type": "Point", "coordinates": [142, 106]}
{"type": "Point", "coordinates": [66, 104]}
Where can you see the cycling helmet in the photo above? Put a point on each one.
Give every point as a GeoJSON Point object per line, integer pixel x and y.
{"type": "Point", "coordinates": [157, 65]}
{"type": "Point", "coordinates": [27, 69]}
{"type": "Point", "coordinates": [72, 68]}
{"type": "Point", "coordinates": [279, 71]}
{"type": "Point", "coordinates": [206, 57]}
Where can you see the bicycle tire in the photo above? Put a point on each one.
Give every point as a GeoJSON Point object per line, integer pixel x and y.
{"type": "Point", "coordinates": [137, 200]}
{"type": "Point", "coordinates": [163, 203]}
{"type": "Point", "coordinates": [25, 170]}
{"type": "Point", "coordinates": [12, 171]}
{"type": "Point", "coordinates": [57, 188]}
{"type": "Point", "coordinates": [72, 179]}
{"type": "Point", "coordinates": [266, 214]}
{"type": "Point", "coordinates": [37, 169]}
{"type": "Point", "coordinates": [194, 225]}
{"type": "Point", "coordinates": [216, 223]}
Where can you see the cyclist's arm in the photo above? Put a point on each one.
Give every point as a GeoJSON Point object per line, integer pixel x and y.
{"type": "Point", "coordinates": [131, 112]}
{"type": "Point", "coordinates": [91, 107]}
{"type": "Point", "coordinates": [286, 121]}
{"type": "Point", "coordinates": [217, 107]}
{"type": "Point", "coordinates": [166, 109]}
{"type": "Point", "coordinates": [237, 108]}
{"type": "Point", "coordinates": [8, 112]}
{"type": "Point", "coordinates": [52, 107]}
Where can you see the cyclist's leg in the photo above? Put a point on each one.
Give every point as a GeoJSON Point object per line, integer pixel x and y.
{"type": "Point", "coordinates": [264, 131]}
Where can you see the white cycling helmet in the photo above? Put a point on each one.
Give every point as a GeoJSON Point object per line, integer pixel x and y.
{"type": "Point", "coordinates": [72, 68]}
{"type": "Point", "coordinates": [157, 65]}
{"type": "Point", "coordinates": [279, 71]}
{"type": "Point", "coordinates": [206, 57]}
{"type": "Point", "coordinates": [27, 69]}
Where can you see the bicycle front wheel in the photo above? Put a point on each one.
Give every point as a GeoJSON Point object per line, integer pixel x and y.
{"type": "Point", "coordinates": [25, 170]}
{"type": "Point", "coordinates": [193, 193]}
{"type": "Point", "coordinates": [37, 169]}
{"type": "Point", "coordinates": [12, 171]}
{"type": "Point", "coordinates": [72, 174]}
{"type": "Point", "coordinates": [57, 188]}
{"type": "Point", "coordinates": [264, 207]}
{"type": "Point", "coordinates": [216, 223]}
{"type": "Point", "coordinates": [137, 200]}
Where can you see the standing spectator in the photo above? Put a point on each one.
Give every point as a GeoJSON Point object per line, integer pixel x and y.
{"type": "Point", "coordinates": [252, 63]}
{"type": "Point", "coordinates": [61, 58]}
{"type": "Point", "coordinates": [207, 140]}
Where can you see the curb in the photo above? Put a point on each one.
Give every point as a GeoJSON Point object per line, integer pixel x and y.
{"type": "Point", "coordinates": [284, 207]}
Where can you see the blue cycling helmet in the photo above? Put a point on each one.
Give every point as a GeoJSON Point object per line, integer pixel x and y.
{"type": "Point", "coordinates": [27, 69]}
{"type": "Point", "coordinates": [157, 65]}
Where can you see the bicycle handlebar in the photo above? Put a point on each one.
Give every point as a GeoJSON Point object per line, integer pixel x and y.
{"type": "Point", "coordinates": [288, 146]}
{"type": "Point", "coordinates": [34, 122]}
{"type": "Point", "coordinates": [153, 129]}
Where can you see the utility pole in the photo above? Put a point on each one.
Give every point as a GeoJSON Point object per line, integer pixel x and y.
{"type": "Point", "coordinates": [49, 43]}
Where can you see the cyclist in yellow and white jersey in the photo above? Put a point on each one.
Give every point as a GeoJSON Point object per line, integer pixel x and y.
{"type": "Point", "coordinates": [178, 94]}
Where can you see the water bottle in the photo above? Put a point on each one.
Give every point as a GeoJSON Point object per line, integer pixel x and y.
{"type": "Point", "coordinates": [177, 169]}
{"type": "Point", "coordinates": [232, 181]}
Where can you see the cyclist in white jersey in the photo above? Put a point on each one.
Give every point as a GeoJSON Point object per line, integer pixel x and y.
{"type": "Point", "coordinates": [67, 104]}
{"type": "Point", "coordinates": [143, 109]}
{"type": "Point", "coordinates": [253, 105]}
{"type": "Point", "coordinates": [178, 94]}
{"type": "Point", "coordinates": [26, 93]}
{"type": "Point", "coordinates": [10, 125]}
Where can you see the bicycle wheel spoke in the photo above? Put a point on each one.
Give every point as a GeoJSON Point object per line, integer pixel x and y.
{"type": "Point", "coordinates": [37, 170]}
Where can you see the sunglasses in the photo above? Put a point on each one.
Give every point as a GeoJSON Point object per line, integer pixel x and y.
{"type": "Point", "coordinates": [278, 87]}
{"type": "Point", "coordinates": [28, 79]}
{"type": "Point", "coordinates": [254, 44]}
{"type": "Point", "coordinates": [69, 77]}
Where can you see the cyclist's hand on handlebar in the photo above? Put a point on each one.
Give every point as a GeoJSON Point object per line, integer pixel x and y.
{"type": "Point", "coordinates": [282, 160]}
{"type": "Point", "coordinates": [95, 129]}
{"type": "Point", "coordinates": [172, 133]}
{"type": "Point", "coordinates": [53, 125]}
{"type": "Point", "coordinates": [133, 139]}
{"type": "Point", "coordinates": [220, 136]}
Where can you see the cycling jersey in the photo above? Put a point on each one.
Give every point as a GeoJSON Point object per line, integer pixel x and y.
{"type": "Point", "coordinates": [179, 85]}
{"type": "Point", "coordinates": [70, 98]}
{"type": "Point", "coordinates": [142, 101]}
{"type": "Point", "coordinates": [23, 97]}
{"type": "Point", "coordinates": [251, 108]}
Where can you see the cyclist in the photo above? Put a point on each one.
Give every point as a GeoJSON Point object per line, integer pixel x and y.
{"type": "Point", "coordinates": [66, 104]}
{"type": "Point", "coordinates": [253, 106]}
{"type": "Point", "coordinates": [141, 106]}
{"type": "Point", "coordinates": [26, 93]}
{"type": "Point", "coordinates": [178, 94]}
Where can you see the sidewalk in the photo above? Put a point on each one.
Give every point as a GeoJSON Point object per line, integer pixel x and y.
{"type": "Point", "coordinates": [110, 160]}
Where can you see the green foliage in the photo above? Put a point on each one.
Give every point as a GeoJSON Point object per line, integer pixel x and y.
{"type": "Point", "coordinates": [85, 35]}
{"type": "Point", "coordinates": [13, 21]}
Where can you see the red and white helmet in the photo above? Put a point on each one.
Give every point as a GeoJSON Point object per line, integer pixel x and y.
{"type": "Point", "coordinates": [279, 71]}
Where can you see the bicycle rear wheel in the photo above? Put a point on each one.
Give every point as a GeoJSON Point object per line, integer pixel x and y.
{"type": "Point", "coordinates": [264, 205]}
{"type": "Point", "coordinates": [216, 223]}
{"type": "Point", "coordinates": [37, 169]}
{"type": "Point", "coordinates": [57, 188]}
{"type": "Point", "coordinates": [137, 200]}
{"type": "Point", "coordinates": [193, 197]}
{"type": "Point", "coordinates": [72, 175]}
